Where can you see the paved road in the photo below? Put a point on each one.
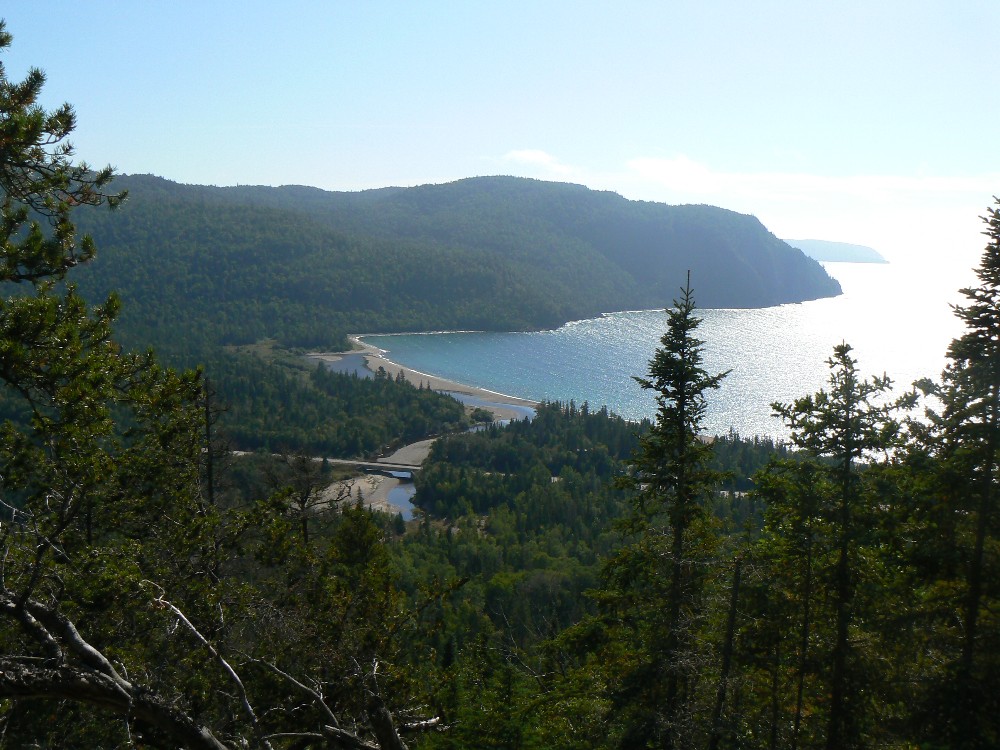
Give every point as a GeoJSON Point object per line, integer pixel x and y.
{"type": "Point", "coordinates": [407, 458]}
{"type": "Point", "coordinates": [413, 454]}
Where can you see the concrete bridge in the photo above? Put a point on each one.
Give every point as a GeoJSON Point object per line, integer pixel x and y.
{"type": "Point", "coordinates": [374, 466]}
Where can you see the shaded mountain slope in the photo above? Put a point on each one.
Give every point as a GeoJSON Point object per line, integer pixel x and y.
{"type": "Point", "coordinates": [305, 266]}
{"type": "Point", "coordinates": [644, 249]}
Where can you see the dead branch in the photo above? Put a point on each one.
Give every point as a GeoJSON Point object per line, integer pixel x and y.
{"type": "Point", "coordinates": [21, 680]}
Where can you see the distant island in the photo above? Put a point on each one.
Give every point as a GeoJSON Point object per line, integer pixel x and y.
{"type": "Point", "coordinates": [842, 252]}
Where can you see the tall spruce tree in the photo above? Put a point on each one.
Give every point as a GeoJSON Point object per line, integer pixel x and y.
{"type": "Point", "coordinates": [853, 422]}
{"type": "Point", "coordinates": [781, 645]}
{"type": "Point", "coordinates": [962, 524]}
{"type": "Point", "coordinates": [655, 586]}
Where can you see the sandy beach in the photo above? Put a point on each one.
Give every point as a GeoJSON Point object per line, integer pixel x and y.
{"type": "Point", "coordinates": [497, 403]}
{"type": "Point", "coordinates": [373, 488]}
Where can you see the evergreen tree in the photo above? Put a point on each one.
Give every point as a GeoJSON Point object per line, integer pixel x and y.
{"type": "Point", "coordinates": [99, 442]}
{"type": "Point", "coordinates": [783, 646]}
{"type": "Point", "coordinates": [136, 610]}
{"type": "Point", "coordinates": [959, 520]}
{"type": "Point", "coordinates": [851, 423]}
{"type": "Point", "coordinates": [656, 585]}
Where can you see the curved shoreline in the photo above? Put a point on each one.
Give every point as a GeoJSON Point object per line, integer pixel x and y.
{"type": "Point", "coordinates": [499, 404]}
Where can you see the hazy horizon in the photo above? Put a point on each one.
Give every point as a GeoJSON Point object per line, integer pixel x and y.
{"type": "Point", "coordinates": [860, 123]}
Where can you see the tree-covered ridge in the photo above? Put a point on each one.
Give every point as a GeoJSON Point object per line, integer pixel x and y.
{"type": "Point", "coordinates": [646, 246]}
{"type": "Point", "coordinates": [284, 405]}
{"type": "Point", "coordinates": [842, 252]}
{"type": "Point", "coordinates": [306, 266]}
{"type": "Point", "coordinates": [154, 595]}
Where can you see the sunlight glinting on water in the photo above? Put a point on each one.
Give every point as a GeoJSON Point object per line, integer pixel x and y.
{"type": "Point", "coordinates": [897, 320]}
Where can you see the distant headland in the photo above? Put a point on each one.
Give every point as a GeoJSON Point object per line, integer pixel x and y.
{"type": "Point", "coordinates": [844, 252]}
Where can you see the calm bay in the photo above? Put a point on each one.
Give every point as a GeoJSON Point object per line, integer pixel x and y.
{"type": "Point", "coordinates": [897, 319]}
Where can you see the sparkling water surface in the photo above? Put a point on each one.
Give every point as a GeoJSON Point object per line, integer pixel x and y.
{"type": "Point", "coordinates": [897, 318]}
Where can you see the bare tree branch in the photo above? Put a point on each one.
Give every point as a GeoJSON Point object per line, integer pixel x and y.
{"type": "Point", "coordinates": [383, 725]}
{"type": "Point", "coordinates": [32, 627]}
{"type": "Point", "coordinates": [315, 694]}
{"type": "Point", "coordinates": [349, 739]}
{"type": "Point", "coordinates": [89, 655]}
{"type": "Point", "coordinates": [21, 680]}
{"type": "Point", "coordinates": [162, 602]}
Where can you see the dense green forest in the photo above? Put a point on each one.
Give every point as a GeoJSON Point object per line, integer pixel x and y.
{"type": "Point", "coordinates": [304, 266]}
{"type": "Point", "coordinates": [205, 275]}
{"type": "Point", "coordinates": [298, 268]}
{"type": "Point", "coordinates": [288, 404]}
{"type": "Point", "coordinates": [848, 600]}
{"type": "Point", "coordinates": [572, 581]}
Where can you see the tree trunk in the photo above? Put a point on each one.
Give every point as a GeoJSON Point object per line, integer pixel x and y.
{"type": "Point", "coordinates": [837, 728]}
{"type": "Point", "coordinates": [727, 657]}
{"type": "Point", "coordinates": [803, 648]}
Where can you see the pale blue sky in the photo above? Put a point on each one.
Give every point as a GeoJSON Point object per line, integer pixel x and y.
{"type": "Point", "coordinates": [868, 122]}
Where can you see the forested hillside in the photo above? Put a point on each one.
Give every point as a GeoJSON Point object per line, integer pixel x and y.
{"type": "Point", "coordinates": [304, 266]}
{"type": "Point", "coordinates": [572, 581]}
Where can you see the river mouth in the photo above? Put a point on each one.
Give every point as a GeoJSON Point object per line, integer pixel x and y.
{"type": "Point", "coordinates": [400, 498]}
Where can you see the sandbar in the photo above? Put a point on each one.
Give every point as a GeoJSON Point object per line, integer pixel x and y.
{"type": "Point", "coordinates": [499, 404]}
{"type": "Point", "coordinates": [374, 490]}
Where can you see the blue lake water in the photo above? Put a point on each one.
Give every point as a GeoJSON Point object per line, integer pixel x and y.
{"type": "Point", "coordinates": [897, 318]}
